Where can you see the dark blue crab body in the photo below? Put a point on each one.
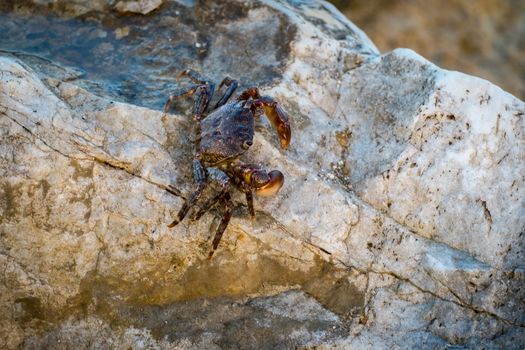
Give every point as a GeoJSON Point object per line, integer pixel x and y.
{"type": "Point", "coordinates": [226, 133]}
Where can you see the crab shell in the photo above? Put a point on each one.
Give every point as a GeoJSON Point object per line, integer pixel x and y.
{"type": "Point", "coordinates": [226, 133]}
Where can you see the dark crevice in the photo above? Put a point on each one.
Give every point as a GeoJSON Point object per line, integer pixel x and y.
{"type": "Point", "coordinates": [486, 213]}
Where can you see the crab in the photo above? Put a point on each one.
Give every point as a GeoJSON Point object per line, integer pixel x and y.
{"type": "Point", "coordinates": [221, 136]}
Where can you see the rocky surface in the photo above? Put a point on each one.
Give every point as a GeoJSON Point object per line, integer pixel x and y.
{"type": "Point", "coordinates": [400, 223]}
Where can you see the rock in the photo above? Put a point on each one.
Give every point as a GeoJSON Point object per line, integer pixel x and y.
{"type": "Point", "coordinates": [481, 38]}
{"type": "Point", "coordinates": [142, 6]}
{"type": "Point", "coordinates": [400, 223]}
{"type": "Point", "coordinates": [68, 8]}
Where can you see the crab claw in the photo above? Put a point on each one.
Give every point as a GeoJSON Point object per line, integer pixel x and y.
{"type": "Point", "coordinates": [273, 186]}
{"type": "Point", "coordinates": [278, 118]}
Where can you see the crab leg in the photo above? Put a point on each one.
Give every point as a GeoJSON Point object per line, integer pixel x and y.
{"type": "Point", "coordinates": [181, 93]}
{"type": "Point", "coordinates": [249, 93]}
{"type": "Point", "coordinates": [224, 222]}
{"type": "Point", "coordinates": [197, 78]}
{"type": "Point", "coordinates": [204, 91]}
{"type": "Point", "coordinates": [200, 178]}
{"type": "Point", "coordinates": [200, 104]}
{"type": "Point", "coordinates": [249, 199]}
{"type": "Point", "coordinates": [231, 84]}
{"type": "Point", "coordinates": [224, 181]}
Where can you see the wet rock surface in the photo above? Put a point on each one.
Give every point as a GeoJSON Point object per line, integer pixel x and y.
{"type": "Point", "coordinates": [400, 223]}
{"type": "Point", "coordinates": [136, 59]}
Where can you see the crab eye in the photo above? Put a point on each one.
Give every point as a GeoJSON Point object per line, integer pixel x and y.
{"type": "Point", "coordinates": [246, 144]}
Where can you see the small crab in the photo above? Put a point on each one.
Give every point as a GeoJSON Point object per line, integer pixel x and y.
{"type": "Point", "coordinates": [221, 137]}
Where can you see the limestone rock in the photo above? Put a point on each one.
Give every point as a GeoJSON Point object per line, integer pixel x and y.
{"type": "Point", "coordinates": [400, 223]}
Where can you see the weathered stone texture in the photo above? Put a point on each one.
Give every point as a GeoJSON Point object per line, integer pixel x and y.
{"type": "Point", "coordinates": [400, 223]}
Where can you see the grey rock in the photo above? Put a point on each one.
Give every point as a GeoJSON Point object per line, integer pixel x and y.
{"type": "Point", "coordinates": [142, 6]}
{"type": "Point", "coordinates": [400, 223]}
